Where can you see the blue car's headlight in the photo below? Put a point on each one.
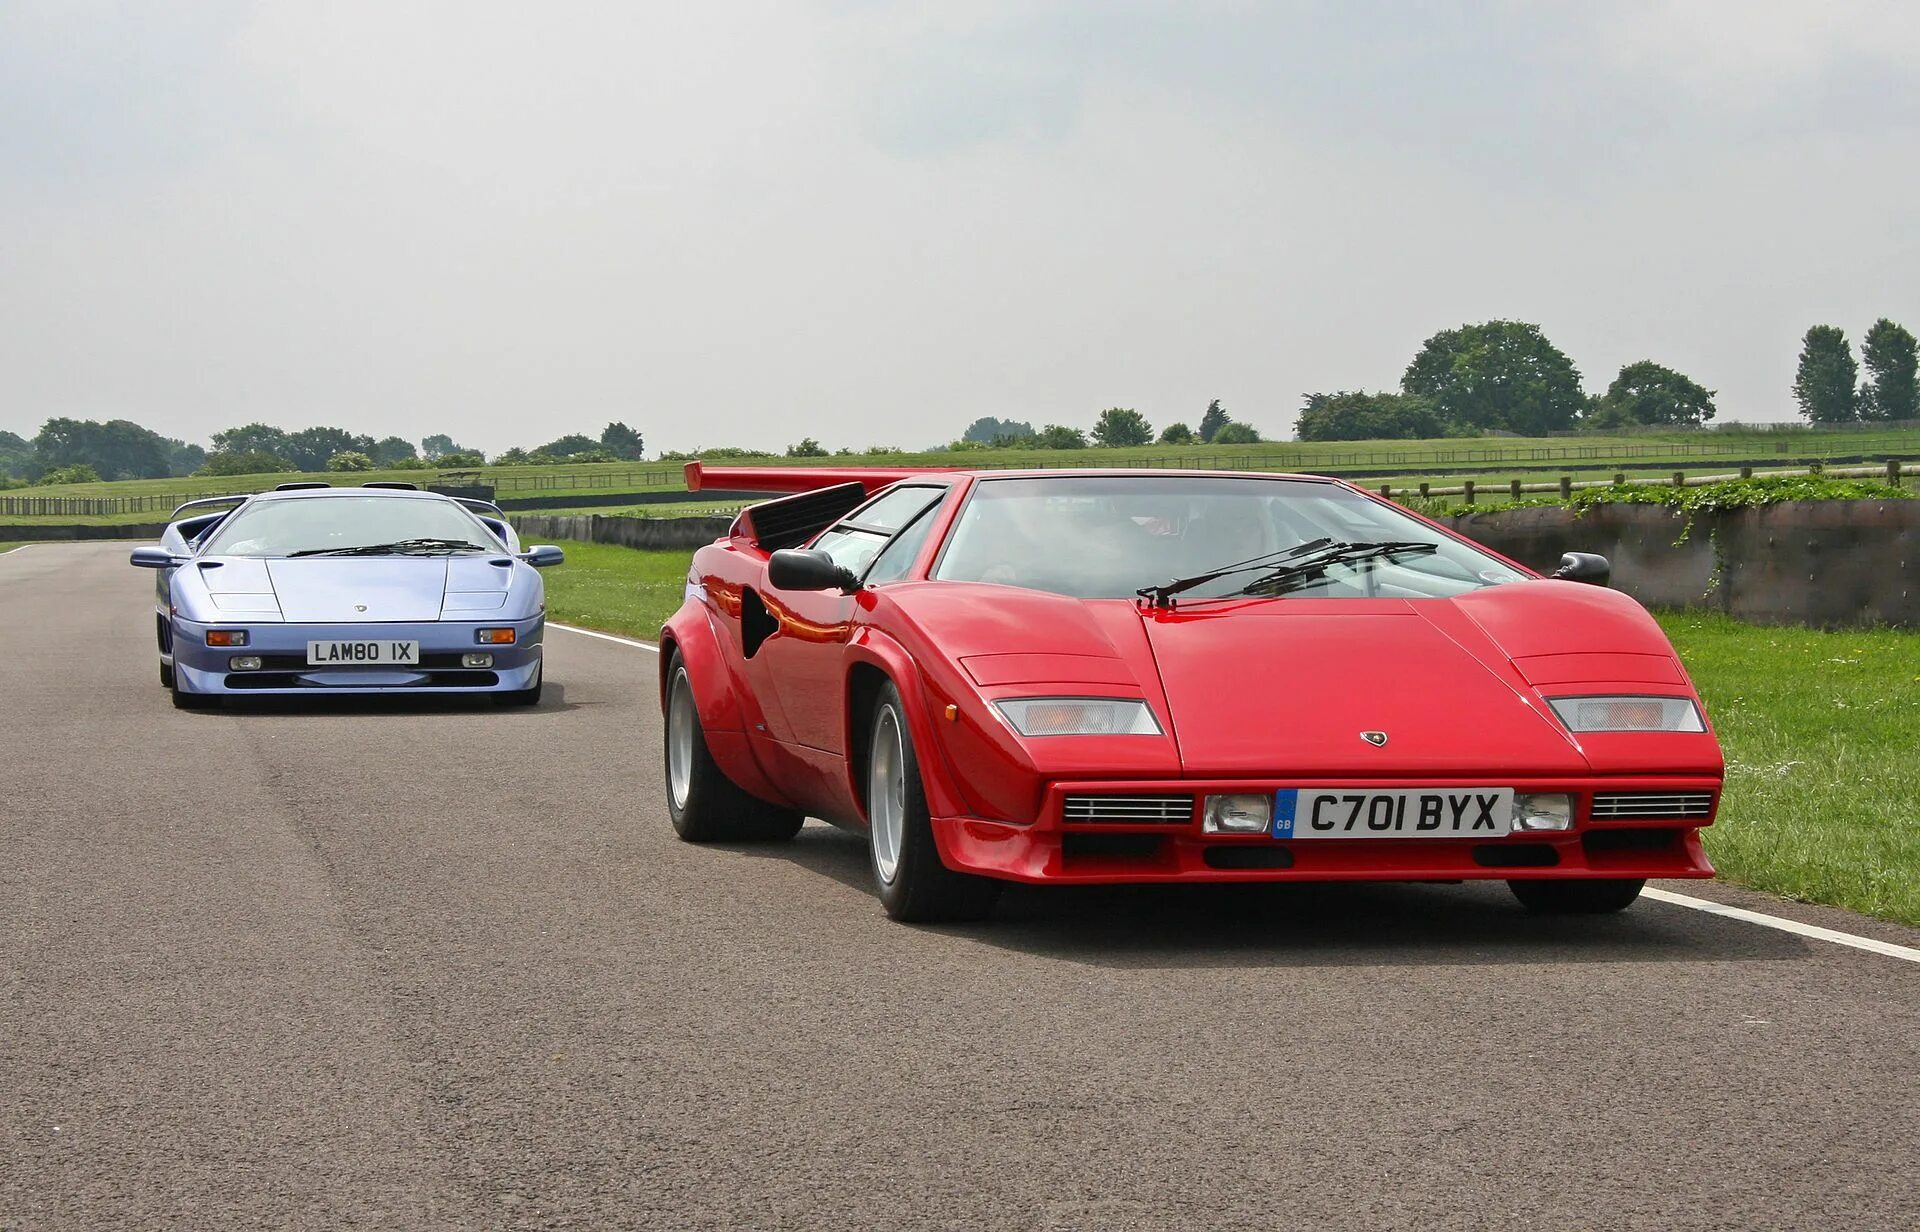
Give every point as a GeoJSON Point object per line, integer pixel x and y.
{"type": "Point", "coordinates": [1628, 714]}
{"type": "Point", "coordinates": [1079, 716]}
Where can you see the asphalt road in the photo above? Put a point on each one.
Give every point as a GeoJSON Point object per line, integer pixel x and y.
{"type": "Point", "coordinates": [446, 966]}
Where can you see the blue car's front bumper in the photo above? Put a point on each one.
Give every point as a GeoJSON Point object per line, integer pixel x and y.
{"type": "Point", "coordinates": [282, 649]}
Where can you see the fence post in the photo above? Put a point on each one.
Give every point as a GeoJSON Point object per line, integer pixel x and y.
{"type": "Point", "coordinates": [1814, 468]}
{"type": "Point", "coordinates": [1619, 478]}
{"type": "Point", "coordinates": [1679, 479]}
{"type": "Point", "coordinates": [1513, 489]}
{"type": "Point", "coordinates": [1423, 489]}
{"type": "Point", "coordinates": [1566, 487]}
{"type": "Point", "coordinates": [1386, 490]}
{"type": "Point", "coordinates": [1469, 492]}
{"type": "Point", "coordinates": [1893, 471]}
{"type": "Point", "coordinates": [1746, 472]}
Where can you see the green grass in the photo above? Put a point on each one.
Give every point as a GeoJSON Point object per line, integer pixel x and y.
{"type": "Point", "coordinates": [1820, 730]}
{"type": "Point", "coordinates": [7, 545]}
{"type": "Point", "coordinates": [616, 589]}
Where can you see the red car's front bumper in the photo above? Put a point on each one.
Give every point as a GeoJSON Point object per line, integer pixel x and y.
{"type": "Point", "coordinates": [1054, 849]}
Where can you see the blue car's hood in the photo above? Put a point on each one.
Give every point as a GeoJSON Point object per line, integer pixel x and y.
{"type": "Point", "coordinates": [338, 589]}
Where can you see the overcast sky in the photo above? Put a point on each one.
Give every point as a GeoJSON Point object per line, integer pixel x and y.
{"type": "Point", "coordinates": [872, 222]}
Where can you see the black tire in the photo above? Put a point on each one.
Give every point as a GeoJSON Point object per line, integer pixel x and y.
{"type": "Point", "coordinates": [709, 807]}
{"type": "Point", "coordinates": [189, 701]}
{"type": "Point", "coordinates": [166, 675]}
{"type": "Point", "coordinates": [1593, 897]}
{"type": "Point", "coordinates": [920, 889]}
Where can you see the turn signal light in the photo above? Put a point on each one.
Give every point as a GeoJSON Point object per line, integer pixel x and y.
{"type": "Point", "coordinates": [493, 637]}
{"type": "Point", "coordinates": [226, 637]}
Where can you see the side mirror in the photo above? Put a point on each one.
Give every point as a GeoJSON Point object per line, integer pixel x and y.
{"type": "Point", "coordinates": [543, 556]}
{"type": "Point", "coordinates": [805, 569]}
{"type": "Point", "coordinates": [155, 558]}
{"type": "Point", "coordinates": [1589, 567]}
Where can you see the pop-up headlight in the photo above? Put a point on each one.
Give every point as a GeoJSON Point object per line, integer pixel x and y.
{"type": "Point", "coordinates": [1627, 714]}
{"type": "Point", "coordinates": [1079, 716]}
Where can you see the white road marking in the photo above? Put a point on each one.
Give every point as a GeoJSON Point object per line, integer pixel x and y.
{"type": "Point", "coordinates": [606, 637]}
{"type": "Point", "coordinates": [1885, 948]}
{"type": "Point", "coordinates": [23, 547]}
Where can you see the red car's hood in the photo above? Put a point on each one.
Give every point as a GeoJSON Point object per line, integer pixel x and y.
{"type": "Point", "coordinates": [1288, 686]}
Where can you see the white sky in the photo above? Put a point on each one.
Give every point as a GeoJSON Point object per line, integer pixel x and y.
{"type": "Point", "coordinates": [742, 223]}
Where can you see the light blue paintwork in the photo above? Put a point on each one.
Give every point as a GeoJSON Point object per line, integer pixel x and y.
{"type": "Point", "coordinates": [283, 603]}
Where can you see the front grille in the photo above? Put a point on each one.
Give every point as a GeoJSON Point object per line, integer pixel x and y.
{"type": "Point", "coordinates": [1148, 810]}
{"type": "Point", "coordinates": [299, 680]}
{"type": "Point", "coordinates": [1633, 805]}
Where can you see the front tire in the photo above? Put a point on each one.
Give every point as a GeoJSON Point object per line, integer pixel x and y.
{"type": "Point", "coordinates": [524, 697]}
{"type": "Point", "coordinates": [706, 805]}
{"type": "Point", "coordinates": [1592, 897]}
{"type": "Point", "coordinates": [189, 701]}
{"type": "Point", "coordinates": [166, 675]}
{"type": "Point", "coordinates": [914, 886]}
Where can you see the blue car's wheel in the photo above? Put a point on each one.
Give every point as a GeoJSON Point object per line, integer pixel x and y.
{"type": "Point", "coordinates": [166, 675]}
{"type": "Point", "coordinates": [189, 701]}
{"type": "Point", "coordinates": [914, 885]}
{"type": "Point", "coordinates": [706, 806]}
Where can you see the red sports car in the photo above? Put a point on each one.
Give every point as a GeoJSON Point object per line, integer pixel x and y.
{"type": "Point", "coordinates": [1155, 676]}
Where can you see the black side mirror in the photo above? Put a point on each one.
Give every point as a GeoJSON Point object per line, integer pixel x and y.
{"type": "Point", "coordinates": [1589, 567]}
{"type": "Point", "coordinates": [806, 569]}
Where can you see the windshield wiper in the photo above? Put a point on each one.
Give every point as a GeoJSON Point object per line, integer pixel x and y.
{"type": "Point", "coordinates": [1299, 573]}
{"type": "Point", "coordinates": [1162, 596]}
{"type": "Point", "coordinates": [400, 547]}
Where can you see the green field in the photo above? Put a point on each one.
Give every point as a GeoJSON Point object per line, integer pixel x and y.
{"type": "Point", "coordinates": [1822, 799]}
{"type": "Point", "coordinates": [1402, 463]}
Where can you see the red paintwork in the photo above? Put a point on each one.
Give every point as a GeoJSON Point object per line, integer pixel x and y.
{"type": "Point", "coordinates": [1252, 696]}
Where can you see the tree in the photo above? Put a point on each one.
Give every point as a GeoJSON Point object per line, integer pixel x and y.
{"type": "Point", "coordinates": [1176, 434]}
{"type": "Point", "coordinates": [184, 459]}
{"type": "Point", "coordinates": [349, 460]}
{"type": "Point", "coordinates": [807, 448]}
{"type": "Point", "coordinates": [117, 449]}
{"type": "Point", "coordinates": [390, 451]}
{"type": "Point", "coordinates": [511, 457]}
{"type": "Point", "coordinates": [1236, 434]}
{"type": "Point", "coordinates": [251, 438]}
{"type": "Point", "coordinates": [309, 448]}
{"type": "Point", "coordinates": [461, 457]}
{"type": "Point", "coordinates": [71, 474]}
{"type": "Point", "coordinates": [1214, 420]}
{"type": "Point", "coordinates": [438, 446]}
{"type": "Point", "coordinates": [1119, 425]}
{"type": "Point", "coordinates": [1499, 375]}
{"type": "Point", "coordinates": [569, 445]}
{"type": "Point", "coordinates": [990, 431]}
{"type": "Point", "coordinates": [1053, 436]}
{"type": "Point", "coordinates": [1823, 386]}
{"type": "Point", "coordinates": [1889, 391]}
{"type": "Point", "coordinates": [253, 462]}
{"type": "Point", "coordinates": [1649, 393]}
{"type": "Point", "coordinates": [1361, 416]}
{"type": "Point", "coordinates": [623, 443]}
{"type": "Point", "coordinates": [16, 455]}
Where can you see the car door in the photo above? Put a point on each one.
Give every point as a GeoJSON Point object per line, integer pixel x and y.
{"type": "Point", "coordinates": [805, 659]}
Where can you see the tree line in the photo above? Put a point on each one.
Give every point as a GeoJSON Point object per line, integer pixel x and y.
{"type": "Point", "coordinates": [85, 451]}
{"type": "Point", "coordinates": [1506, 376]}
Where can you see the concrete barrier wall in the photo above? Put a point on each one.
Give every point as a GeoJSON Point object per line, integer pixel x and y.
{"type": "Point", "coordinates": [1830, 564]}
{"type": "Point", "coordinates": [679, 533]}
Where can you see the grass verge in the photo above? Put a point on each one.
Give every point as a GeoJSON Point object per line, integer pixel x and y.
{"type": "Point", "coordinates": [1822, 799]}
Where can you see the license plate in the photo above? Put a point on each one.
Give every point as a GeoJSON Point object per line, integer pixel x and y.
{"type": "Point", "coordinates": [358, 654]}
{"type": "Point", "coordinates": [1451, 812]}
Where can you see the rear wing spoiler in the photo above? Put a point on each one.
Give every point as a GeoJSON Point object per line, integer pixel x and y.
{"type": "Point", "coordinates": [801, 478]}
{"type": "Point", "coordinates": [208, 500]}
{"type": "Point", "coordinates": [478, 506]}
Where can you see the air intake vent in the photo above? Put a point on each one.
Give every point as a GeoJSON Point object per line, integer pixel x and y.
{"type": "Point", "coordinates": [1662, 806]}
{"type": "Point", "coordinates": [1150, 810]}
{"type": "Point", "coordinates": [792, 520]}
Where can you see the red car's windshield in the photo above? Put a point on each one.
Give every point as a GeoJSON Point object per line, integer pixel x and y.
{"type": "Point", "coordinates": [1106, 536]}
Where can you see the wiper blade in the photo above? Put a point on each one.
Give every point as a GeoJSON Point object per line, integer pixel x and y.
{"type": "Point", "coordinates": [1298, 573]}
{"type": "Point", "coordinates": [1162, 596]}
{"type": "Point", "coordinates": [400, 547]}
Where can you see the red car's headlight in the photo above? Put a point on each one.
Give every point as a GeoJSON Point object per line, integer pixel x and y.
{"type": "Point", "coordinates": [1079, 716]}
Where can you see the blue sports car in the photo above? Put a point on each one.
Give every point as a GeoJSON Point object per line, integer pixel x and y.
{"type": "Point", "coordinates": [314, 589]}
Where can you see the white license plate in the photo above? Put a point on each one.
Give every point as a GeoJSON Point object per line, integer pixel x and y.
{"type": "Point", "coordinates": [361, 653]}
{"type": "Point", "coordinates": [1437, 812]}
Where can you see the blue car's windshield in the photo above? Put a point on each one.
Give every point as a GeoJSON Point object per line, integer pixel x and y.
{"type": "Point", "coordinates": [1108, 536]}
{"type": "Point", "coordinates": [350, 525]}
